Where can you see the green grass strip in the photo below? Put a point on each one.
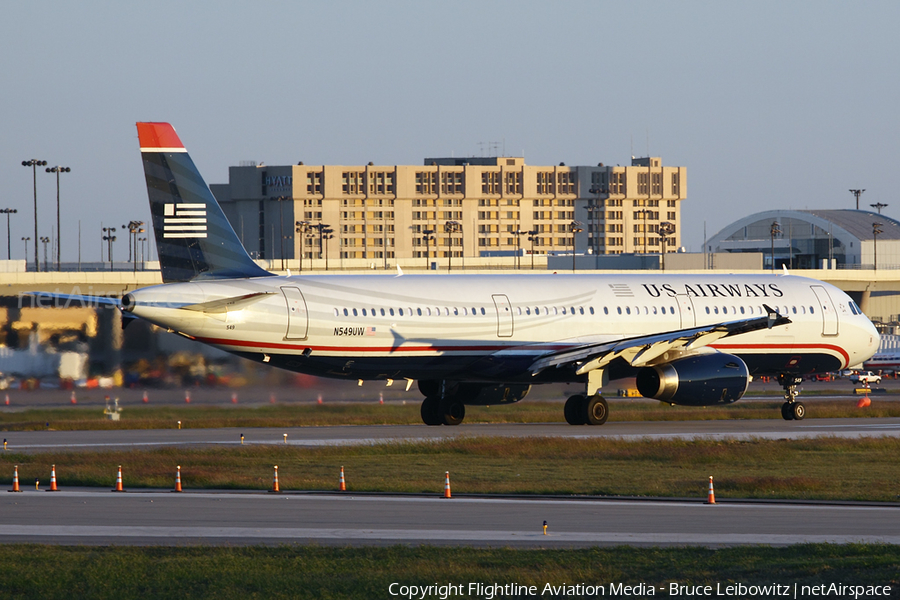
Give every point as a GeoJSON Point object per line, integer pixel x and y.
{"type": "Point", "coordinates": [820, 468]}
{"type": "Point", "coordinates": [224, 573]}
{"type": "Point", "coordinates": [306, 415]}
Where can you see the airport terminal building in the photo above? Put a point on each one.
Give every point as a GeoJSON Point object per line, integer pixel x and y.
{"type": "Point", "coordinates": [814, 239]}
{"type": "Point", "coordinates": [451, 207]}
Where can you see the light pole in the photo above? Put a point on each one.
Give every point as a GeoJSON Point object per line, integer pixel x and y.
{"type": "Point", "coordinates": [141, 240]}
{"type": "Point", "coordinates": [532, 236]}
{"type": "Point", "coordinates": [44, 240]}
{"type": "Point", "coordinates": [665, 229]}
{"type": "Point", "coordinates": [451, 227]}
{"type": "Point", "coordinates": [857, 193]}
{"type": "Point", "coordinates": [7, 212]}
{"type": "Point", "coordinates": [25, 239]}
{"type": "Point", "coordinates": [325, 233]}
{"type": "Point", "coordinates": [134, 228]}
{"type": "Point", "coordinates": [109, 238]}
{"type": "Point", "coordinates": [302, 227]}
{"type": "Point", "coordinates": [281, 200]}
{"type": "Point", "coordinates": [597, 211]}
{"type": "Point", "coordinates": [876, 229]}
{"type": "Point", "coordinates": [774, 232]}
{"type": "Point", "coordinates": [519, 233]}
{"type": "Point", "coordinates": [576, 228]}
{"type": "Point", "coordinates": [34, 164]}
{"type": "Point", "coordinates": [57, 169]}
{"type": "Point", "coordinates": [427, 237]}
{"type": "Point", "coordinates": [878, 206]}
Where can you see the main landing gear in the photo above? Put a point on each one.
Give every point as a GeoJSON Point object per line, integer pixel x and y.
{"type": "Point", "coordinates": [442, 411]}
{"type": "Point", "coordinates": [791, 410]}
{"type": "Point", "coordinates": [586, 410]}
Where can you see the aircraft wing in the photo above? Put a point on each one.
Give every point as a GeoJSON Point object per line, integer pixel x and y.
{"type": "Point", "coordinates": [641, 350]}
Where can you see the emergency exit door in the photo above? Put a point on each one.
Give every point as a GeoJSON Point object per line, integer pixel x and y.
{"type": "Point", "coordinates": [298, 317]}
{"type": "Point", "coordinates": [504, 315]}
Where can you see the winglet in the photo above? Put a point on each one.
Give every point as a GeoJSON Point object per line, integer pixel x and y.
{"type": "Point", "coordinates": [399, 271]}
{"type": "Point", "coordinates": [785, 272]}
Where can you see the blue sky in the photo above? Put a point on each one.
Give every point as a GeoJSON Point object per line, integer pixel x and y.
{"type": "Point", "coordinates": [767, 104]}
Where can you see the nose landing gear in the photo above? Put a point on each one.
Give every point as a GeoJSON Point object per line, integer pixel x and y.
{"type": "Point", "coordinates": [791, 410]}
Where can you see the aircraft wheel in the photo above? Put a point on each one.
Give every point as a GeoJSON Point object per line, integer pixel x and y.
{"type": "Point", "coordinates": [787, 411]}
{"type": "Point", "coordinates": [798, 411]}
{"type": "Point", "coordinates": [430, 412]}
{"type": "Point", "coordinates": [574, 410]}
{"type": "Point", "coordinates": [452, 411]}
{"type": "Point", "coordinates": [596, 410]}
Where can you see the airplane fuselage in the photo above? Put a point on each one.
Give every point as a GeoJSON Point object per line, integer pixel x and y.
{"type": "Point", "coordinates": [491, 328]}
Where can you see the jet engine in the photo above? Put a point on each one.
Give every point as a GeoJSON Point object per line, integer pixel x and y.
{"type": "Point", "coordinates": [699, 380]}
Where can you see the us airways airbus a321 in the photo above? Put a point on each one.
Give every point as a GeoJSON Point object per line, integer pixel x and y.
{"type": "Point", "coordinates": [486, 339]}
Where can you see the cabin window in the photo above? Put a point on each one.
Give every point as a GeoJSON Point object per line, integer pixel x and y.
{"type": "Point", "coordinates": [707, 310]}
{"type": "Point", "coordinates": [355, 313]}
{"type": "Point", "coordinates": [474, 312]}
{"type": "Point", "coordinates": [419, 311]}
{"type": "Point", "coordinates": [795, 309]}
{"type": "Point", "coordinates": [346, 312]}
{"type": "Point", "coordinates": [628, 310]}
{"type": "Point", "coordinates": [336, 313]}
{"type": "Point", "coordinates": [672, 309]}
{"type": "Point", "coordinates": [716, 309]}
{"type": "Point", "coordinates": [572, 310]}
{"type": "Point", "coordinates": [619, 308]}
{"type": "Point", "coordinates": [591, 309]}
{"type": "Point", "coordinates": [812, 311]}
{"type": "Point", "coordinates": [519, 310]}
{"type": "Point", "coordinates": [400, 310]}
{"type": "Point", "coordinates": [391, 310]}
{"type": "Point", "coordinates": [527, 310]}
{"type": "Point", "coordinates": [742, 310]}
{"type": "Point", "coordinates": [580, 310]}
{"type": "Point", "coordinates": [482, 310]}
{"type": "Point", "coordinates": [563, 310]}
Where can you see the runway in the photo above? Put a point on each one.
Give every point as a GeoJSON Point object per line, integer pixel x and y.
{"type": "Point", "coordinates": [164, 518]}
{"type": "Point", "coordinates": [44, 441]}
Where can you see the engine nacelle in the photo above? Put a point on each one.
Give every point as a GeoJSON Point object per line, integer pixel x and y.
{"type": "Point", "coordinates": [699, 380]}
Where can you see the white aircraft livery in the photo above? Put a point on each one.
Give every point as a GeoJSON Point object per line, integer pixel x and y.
{"type": "Point", "coordinates": [486, 339]}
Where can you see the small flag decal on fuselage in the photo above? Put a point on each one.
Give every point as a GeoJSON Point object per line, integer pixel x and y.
{"type": "Point", "coordinates": [370, 331]}
{"type": "Point", "coordinates": [184, 220]}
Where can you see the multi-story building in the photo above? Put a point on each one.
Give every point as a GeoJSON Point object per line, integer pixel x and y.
{"type": "Point", "coordinates": [452, 207]}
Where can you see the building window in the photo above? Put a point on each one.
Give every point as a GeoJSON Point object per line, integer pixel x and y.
{"type": "Point", "coordinates": [314, 182]}
{"type": "Point", "coordinates": [656, 184]}
{"type": "Point", "coordinates": [676, 184]}
{"type": "Point", "coordinates": [565, 182]}
{"type": "Point", "coordinates": [617, 183]}
{"type": "Point", "coordinates": [490, 182]}
{"type": "Point", "coordinates": [352, 182]}
{"type": "Point", "coordinates": [426, 182]}
{"type": "Point", "coordinates": [545, 182]}
{"type": "Point", "coordinates": [452, 182]}
{"type": "Point", "coordinates": [643, 183]}
{"type": "Point", "coordinates": [381, 183]}
{"type": "Point", "coordinates": [512, 182]}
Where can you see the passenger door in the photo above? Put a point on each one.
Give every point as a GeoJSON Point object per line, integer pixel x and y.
{"type": "Point", "coordinates": [829, 314]}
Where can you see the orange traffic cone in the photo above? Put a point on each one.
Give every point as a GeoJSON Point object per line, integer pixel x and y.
{"type": "Point", "coordinates": [234, 397]}
{"type": "Point", "coordinates": [15, 487]}
{"type": "Point", "coordinates": [178, 478]}
{"type": "Point", "coordinates": [447, 484]}
{"type": "Point", "coordinates": [72, 398]}
{"type": "Point", "coordinates": [187, 396]}
{"type": "Point", "coordinates": [53, 487]}
{"type": "Point", "coordinates": [320, 399]}
{"type": "Point", "coordinates": [271, 398]}
{"type": "Point", "coordinates": [864, 402]}
{"type": "Point", "coordinates": [119, 487]}
{"type": "Point", "coordinates": [7, 399]}
{"type": "Point", "coordinates": [711, 498]}
{"type": "Point", "coordinates": [145, 399]}
{"type": "Point", "coordinates": [275, 487]}
{"type": "Point", "coordinates": [343, 484]}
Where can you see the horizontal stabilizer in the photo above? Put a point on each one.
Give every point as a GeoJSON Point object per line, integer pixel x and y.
{"type": "Point", "coordinates": [224, 305]}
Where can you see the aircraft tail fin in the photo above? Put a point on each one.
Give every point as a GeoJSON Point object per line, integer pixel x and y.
{"type": "Point", "coordinates": [193, 236]}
